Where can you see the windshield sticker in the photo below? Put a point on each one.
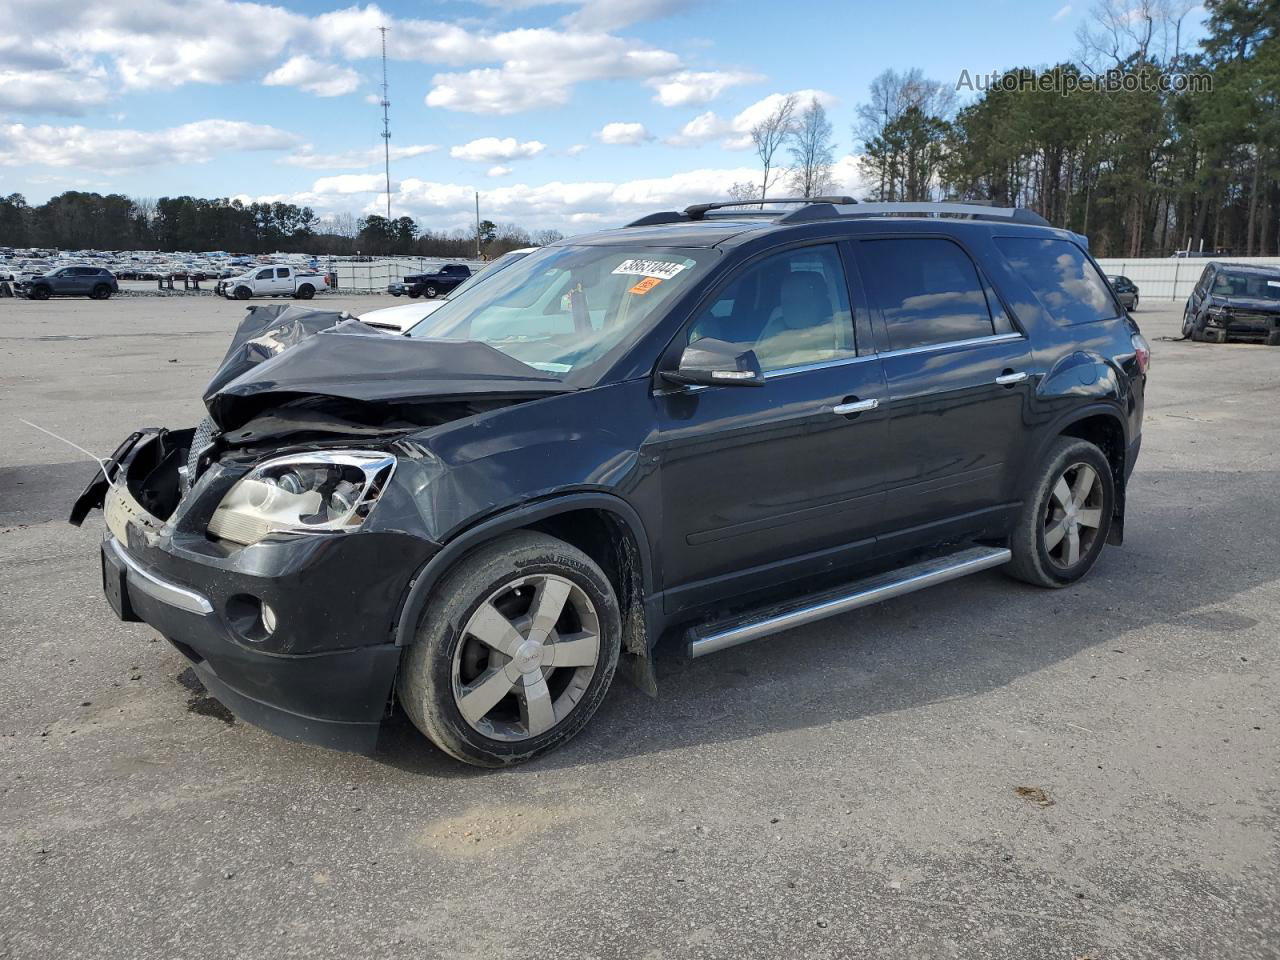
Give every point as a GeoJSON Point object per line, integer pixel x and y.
{"type": "Point", "coordinates": [662, 269]}
{"type": "Point", "coordinates": [645, 285]}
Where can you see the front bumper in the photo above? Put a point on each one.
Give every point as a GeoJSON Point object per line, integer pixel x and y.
{"type": "Point", "coordinates": [332, 698]}
{"type": "Point", "coordinates": [1244, 324]}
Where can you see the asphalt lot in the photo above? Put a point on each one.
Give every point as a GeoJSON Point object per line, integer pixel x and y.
{"type": "Point", "coordinates": [848, 789]}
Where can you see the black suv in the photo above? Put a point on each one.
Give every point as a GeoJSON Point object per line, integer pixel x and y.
{"type": "Point", "coordinates": [431, 284]}
{"type": "Point", "coordinates": [1234, 300]}
{"type": "Point", "coordinates": [93, 282]}
{"type": "Point", "coordinates": [728, 423]}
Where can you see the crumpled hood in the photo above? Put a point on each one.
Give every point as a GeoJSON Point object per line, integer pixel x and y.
{"type": "Point", "coordinates": [282, 354]}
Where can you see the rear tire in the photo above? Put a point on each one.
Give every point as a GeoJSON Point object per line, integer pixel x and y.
{"type": "Point", "coordinates": [101, 292]}
{"type": "Point", "coordinates": [1066, 516]}
{"type": "Point", "coordinates": [527, 703]}
{"type": "Point", "coordinates": [1273, 338]}
{"type": "Point", "coordinates": [306, 292]}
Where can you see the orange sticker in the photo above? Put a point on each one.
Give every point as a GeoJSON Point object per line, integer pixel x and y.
{"type": "Point", "coordinates": [645, 285]}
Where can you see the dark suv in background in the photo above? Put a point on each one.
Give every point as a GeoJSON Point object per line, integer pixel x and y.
{"type": "Point", "coordinates": [431, 284]}
{"type": "Point", "coordinates": [1126, 291]}
{"type": "Point", "coordinates": [1234, 300]}
{"type": "Point", "coordinates": [93, 282]}
{"type": "Point", "coordinates": [728, 422]}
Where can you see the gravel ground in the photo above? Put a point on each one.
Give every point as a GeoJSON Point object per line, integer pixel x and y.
{"type": "Point", "coordinates": [849, 789]}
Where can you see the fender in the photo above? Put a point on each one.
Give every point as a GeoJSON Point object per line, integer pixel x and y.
{"type": "Point", "coordinates": [521, 516]}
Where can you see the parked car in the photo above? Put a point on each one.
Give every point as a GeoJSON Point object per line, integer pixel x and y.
{"type": "Point", "coordinates": [273, 281]}
{"type": "Point", "coordinates": [728, 423]}
{"type": "Point", "coordinates": [1126, 291]}
{"type": "Point", "coordinates": [405, 317]}
{"type": "Point", "coordinates": [1234, 300]}
{"type": "Point", "coordinates": [93, 282]}
{"type": "Point", "coordinates": [431, 284]}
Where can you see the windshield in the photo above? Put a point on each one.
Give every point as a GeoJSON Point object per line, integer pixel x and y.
{"type": "Point", "coordinates": [504, 261]}
{"type": "Point", "coordinates": [1252, 285]}
{"type": "Point", "coordinates": [565, 307]}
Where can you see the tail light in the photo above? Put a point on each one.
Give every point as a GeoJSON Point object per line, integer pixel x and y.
{"type": "Point", "coordinates": [1141, 352]}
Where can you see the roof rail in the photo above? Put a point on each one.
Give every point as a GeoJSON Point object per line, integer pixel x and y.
{"type": "Point", "coordinates": [974, 210]}
{"type": "Point", "coordinates": [698, 211]}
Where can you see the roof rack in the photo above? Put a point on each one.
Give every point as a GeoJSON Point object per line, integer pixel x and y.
{"type": "Point", "coordinates": [833, 208]}
{"type": "Point", "coordinates": [972, 210]}
{"type": "Point", "coordinates": [699, 211]}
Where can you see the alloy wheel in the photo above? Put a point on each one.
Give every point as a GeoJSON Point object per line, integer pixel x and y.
{"type": "Point", "coordinates": [1073, 515]}
{"type": "Point", "coordinates": [526, 657]}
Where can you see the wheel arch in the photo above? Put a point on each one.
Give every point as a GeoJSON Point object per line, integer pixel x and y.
{"type": "Point", "coordinates": [1104, 426]}
{"type": "Point", "coordinates": [601, 525]}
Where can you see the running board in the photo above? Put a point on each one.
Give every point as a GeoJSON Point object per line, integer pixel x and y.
{"type": "Point", "coordinates": [712, 637]}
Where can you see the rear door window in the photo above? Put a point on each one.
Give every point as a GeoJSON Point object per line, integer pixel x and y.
{"type": "Point", "coordinates": [1068, 286]}
{"type": "Point", "coordinates": [282, 273]}
{"type": "Point", "coordinates": [928, 291]}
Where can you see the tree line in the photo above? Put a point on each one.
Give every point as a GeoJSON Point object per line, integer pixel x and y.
{"type": "Point", "coordinates": [1181, 148]}
{"type": "Point", "coordinates": [76, 220]}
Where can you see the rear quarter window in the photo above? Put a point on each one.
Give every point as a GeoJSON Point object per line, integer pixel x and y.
{"type": "Point", "coordinates": [1067, 285]}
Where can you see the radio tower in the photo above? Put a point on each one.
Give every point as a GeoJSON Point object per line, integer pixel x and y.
{"type": "Point", "coordinates": [386, 121]}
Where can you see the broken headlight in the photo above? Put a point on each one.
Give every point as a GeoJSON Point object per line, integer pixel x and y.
{"type": "Point", "coordinates": [323, 492]}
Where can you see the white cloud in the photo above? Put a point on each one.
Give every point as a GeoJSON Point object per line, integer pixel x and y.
{"type": "Point", "coordinates": [313, 76]}
{"type": "Point", "coordinates": [576, 150]}
{"type": "Point", "coordinates": [110, 150]}
{"type": "Point", "coordinates": [541, 69]}
{"type": "Point", "coordinates": [492, 149]}
{"type": "Point", "coordinates": [498, 171]}
{"type": "Point", "coordinates": [307, 157]}
{"type": "Point", "coordinates": [59, 91]}
{"type": "Point", "coordinates": [571, 206]}
{"type": "Point", "coordinates": [630, 134]}
{"type": "Point", "coordinates": [735, 134]}
{"type": "Point", "coordinates": [349, 183]}
{"type": "Point", "coordinates": [163, 44]}
{"type": "Point", "coordinates": [689, 89]}
{"type": "Point", "coordinates": [1063, 12]}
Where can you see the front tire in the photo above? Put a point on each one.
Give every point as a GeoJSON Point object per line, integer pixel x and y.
{"type": "Point", "coordinates": [242, 293]}
{"type": "Point", "coordinates": [41, 293]}
{"type": "Point", "coordinates": [1065, 519]}
{"type": "Point", "coordinates": [514, 652]}
{"type": "Point", "coordinates": [429, 293]}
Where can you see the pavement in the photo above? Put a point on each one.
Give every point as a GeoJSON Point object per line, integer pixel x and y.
{"type": "Point", "coordinates": [983, 769]}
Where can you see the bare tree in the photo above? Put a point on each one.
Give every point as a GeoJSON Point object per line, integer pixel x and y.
{"type": "Point", "coordinates": [888, 127]}
{"type": "Point", "coordinates": [769, 135]}
{"type": "Point", "coordinates": [543, 238]}
{"type": "Point", "coordinates": [744, 190]}
{"type": "Point", "coordinates": [812, 152]}
{"type": "Point", "coordinates": [1120, 31]}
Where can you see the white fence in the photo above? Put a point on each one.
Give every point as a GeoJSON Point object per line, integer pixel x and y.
{"type": "Point", "coordinates": [374, 275]}
{"type": "Point", "coordinates": [1171, 278]}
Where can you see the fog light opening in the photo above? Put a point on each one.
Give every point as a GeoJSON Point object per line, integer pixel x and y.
{"type": "Point", "coordinates": [250, 618]}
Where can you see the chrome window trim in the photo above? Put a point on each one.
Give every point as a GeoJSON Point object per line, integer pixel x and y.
{"type": "Point", "coordinates": [862, 358]}
{"type": "Point", "coordinates": [953, 344]}
{"type": "Point", "coordinates": [158, 589]}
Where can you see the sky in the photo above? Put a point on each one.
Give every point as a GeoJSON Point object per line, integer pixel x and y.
{"type": "Point", "coordinates": [562, 114]}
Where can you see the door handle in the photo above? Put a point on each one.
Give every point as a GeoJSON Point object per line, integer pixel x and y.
{"type": "Point", "coordinates": [1009, 379]}
{"type": "Point", "coordinates": [855, 406]}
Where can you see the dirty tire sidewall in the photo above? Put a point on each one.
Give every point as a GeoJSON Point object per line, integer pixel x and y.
{"type": "Point", "coordinates": [425, 682]}
{"type": "Point", "coordinates": [1031, 562]}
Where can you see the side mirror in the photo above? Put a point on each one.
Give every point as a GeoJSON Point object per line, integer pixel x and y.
{"type": "Point", "coordinates": [716, 363]}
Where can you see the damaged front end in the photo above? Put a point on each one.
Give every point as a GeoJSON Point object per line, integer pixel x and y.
{"type": "Point", "coordinates": [274, 544]}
